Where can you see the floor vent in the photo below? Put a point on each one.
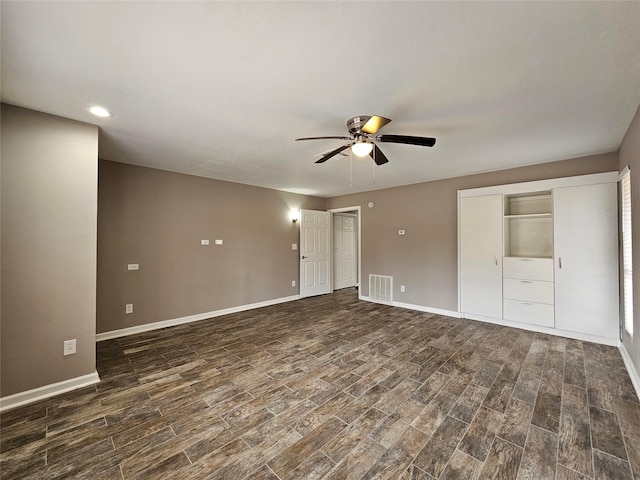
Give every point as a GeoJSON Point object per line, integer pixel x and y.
{"type": "Point", "coordinates": [380, 288]}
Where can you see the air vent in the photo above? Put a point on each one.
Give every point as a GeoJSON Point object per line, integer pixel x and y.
{"type": "Point", "coordinates": [381, 288]}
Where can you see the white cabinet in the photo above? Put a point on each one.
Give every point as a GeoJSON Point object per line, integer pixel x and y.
{"type": "Point", "coordinates": [557, 269]}
{"type": "Point", "coordinates": [481, 255]}
{"type": "Point", "coordinates": [527, 268]}
{"type": "Point", "coordinates": [586, 259]}
{"type": "Point", "coordinates": [528, 290]}
{"type": "Point", "coordinates": [528, 312]}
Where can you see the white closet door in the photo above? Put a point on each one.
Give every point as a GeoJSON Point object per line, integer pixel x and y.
{"type": "Point", "coordinates": [586, 259]}
{"type": "Point", "coordinates": [344, 251]}
{"type": "Point", "coordinates": [481, 255]}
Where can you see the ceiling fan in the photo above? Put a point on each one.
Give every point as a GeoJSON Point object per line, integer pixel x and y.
{"type": "Point", "coordinates": [362, 137]}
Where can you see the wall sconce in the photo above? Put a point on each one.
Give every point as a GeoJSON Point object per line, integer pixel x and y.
{"type": "Point", "coordinates": [294, 215]}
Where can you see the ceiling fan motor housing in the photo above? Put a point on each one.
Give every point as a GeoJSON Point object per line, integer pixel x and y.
{"type": "Point", "coordinates": [355, 124]}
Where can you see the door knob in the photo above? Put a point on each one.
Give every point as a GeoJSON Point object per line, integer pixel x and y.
{"type": "Point", "coordinates": [303, 257]}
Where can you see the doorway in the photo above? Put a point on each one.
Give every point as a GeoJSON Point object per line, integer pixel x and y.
{"type": "Point", "coordinates": [345, 247]}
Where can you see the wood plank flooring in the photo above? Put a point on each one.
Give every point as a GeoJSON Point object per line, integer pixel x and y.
{"type": "Point", "coordinates": [332, 387]}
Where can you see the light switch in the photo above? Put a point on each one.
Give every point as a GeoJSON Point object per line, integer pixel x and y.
{"type": "Point", "coordinates": [204, 242]}
{"type": "Point", "coordinates": [294, 246]}
{"type": "Point", "coordinates": [218, 242]}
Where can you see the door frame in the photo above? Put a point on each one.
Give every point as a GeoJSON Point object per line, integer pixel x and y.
{"type": "Point", "coordinates": [358, 211]}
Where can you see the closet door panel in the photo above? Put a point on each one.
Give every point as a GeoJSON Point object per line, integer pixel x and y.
{"type": "Point", "coordinates": [481, 255]}
{"type": "Point", "coordinates": [586, 259]}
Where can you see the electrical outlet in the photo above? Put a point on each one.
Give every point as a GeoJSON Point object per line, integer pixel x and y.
{"type": "Point", "coordinates": [204, 242]}
{"type": "Point", "coordinates": [128, 308]}
{"type": "Point", "coordinates": [133, 266]}
{"type": "Point", "coordinates": [401, 288]}
{"type": "Point", "coordinates": [293, 283]}
{"type": "Point", "coordinates": [69, 347]}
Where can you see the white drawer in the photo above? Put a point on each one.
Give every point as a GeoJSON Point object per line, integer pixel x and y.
{"type": "Point", "coordinates": [528, 290]}
{"type": "Point", "coordinates": [527, 268]}
{"type": "Point", "coordinates": [529, 312]}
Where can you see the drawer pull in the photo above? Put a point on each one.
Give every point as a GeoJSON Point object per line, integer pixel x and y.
{"type": "Point", "coordinates": [559, 262]}
{"type": "Point", "coordinates": [526, 303]}
{"type": "Point", "coordinates": [526, 260]}
{"type": "Point", "coordinates": [526, 281]}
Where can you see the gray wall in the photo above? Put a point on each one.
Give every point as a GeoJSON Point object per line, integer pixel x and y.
{"type": "Point", "coordinates": [425, 258]}
{"type": "Point", "coordinates": [49, 214]}
{"type": "Point", "coordinates": [157, 219]}
{"type": "Point", "coordinates": [630, 155]}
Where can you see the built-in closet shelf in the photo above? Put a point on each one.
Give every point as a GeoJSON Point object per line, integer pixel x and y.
{"type": "Point", "coordinates": [528, 225]}
{"type": "Point", "coordinates": [529, 256]}
{"type": "Point", "coordinates": [530, 215]}
{"type": "Point", "coordinates": [528, 204]}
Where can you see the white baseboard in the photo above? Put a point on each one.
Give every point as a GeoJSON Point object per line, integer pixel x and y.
{"type": "Point", "coordinates": [419, 308]}
{"type": "Point", "coordinates": [631, 368]}
{"type": "Point", "coordinates": [422, 308]}
{"type": "Point", "coordinates": [40, 393]}
{"type": "Point", "coordinates": [188, 319]}
{"type": "Point", "coordinates": [507, 323]}
{"type": "Point", "coordinates": [614, 342]}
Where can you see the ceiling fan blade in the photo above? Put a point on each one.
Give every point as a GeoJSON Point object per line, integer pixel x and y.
{"type": "Point", "coordinates": [378, 156]}
{"type": "Point", "coordinates": [323, 138]}
{"type": "Point", "coordinates": [333, 152]}
{"type": "Point", "coordinates": [408, 139]}
{"type": "Point", "coordinates": [374, 124]}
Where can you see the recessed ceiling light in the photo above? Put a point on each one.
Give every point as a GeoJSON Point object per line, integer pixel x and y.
{"type": "Point", "coordinates": [99, 111]}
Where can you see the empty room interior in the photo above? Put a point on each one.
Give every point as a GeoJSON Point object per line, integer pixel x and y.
{"type": "Point", "coordinates": [328, 240]}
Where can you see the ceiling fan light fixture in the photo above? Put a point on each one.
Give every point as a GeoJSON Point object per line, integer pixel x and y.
{"type": "Point", "coordinates": [362, 149]}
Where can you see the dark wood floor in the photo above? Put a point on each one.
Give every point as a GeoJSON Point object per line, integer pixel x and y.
{"type": "Point", "coordinates": [333, 387]}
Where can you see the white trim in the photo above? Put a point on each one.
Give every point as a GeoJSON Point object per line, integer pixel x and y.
{"type": "Point", "coordinates": [625, 254]}
{"type": "Point", "coordinates": [624, 171]}
{"type": "Point", "coordinates": [631, 368]}
{"type": "Point", "coordinates": [359, 217]}
{"type": "Point", "coordinates": [540, 185]}
{"type": "Point", "coordinates": [46, 391]}
{"type": "Point", "coordinates": [367, 299]}
{"type": "Point", "coordinates": [411, 306]}
{"type": "Point", "coordinates": [421, 308]}
{"type": "Point", "coordinates": [614, 342]}
{"type": "Point", "coordinates": [190, 318]}
{"type": "Point", "coordinates": [458, 266]}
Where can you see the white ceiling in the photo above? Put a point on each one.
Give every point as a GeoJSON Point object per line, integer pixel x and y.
{"type": "Point", "coordinates": [221, 89]}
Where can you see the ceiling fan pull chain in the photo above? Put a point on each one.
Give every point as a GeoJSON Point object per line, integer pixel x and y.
{"type": "Point", "coordinates": [374, 168]}
{"type": "Point", "coordinates": [350, 168]}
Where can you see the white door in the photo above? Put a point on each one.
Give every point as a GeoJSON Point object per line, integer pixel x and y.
{"type": "Point", "coordinates": [585, 224]}
{"type": "Point", "coordinates": [344, 250]}
{"type": "Point", "coordinates": [315, 265]}
{"type": "Point", "coordinates": [481, 255]}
